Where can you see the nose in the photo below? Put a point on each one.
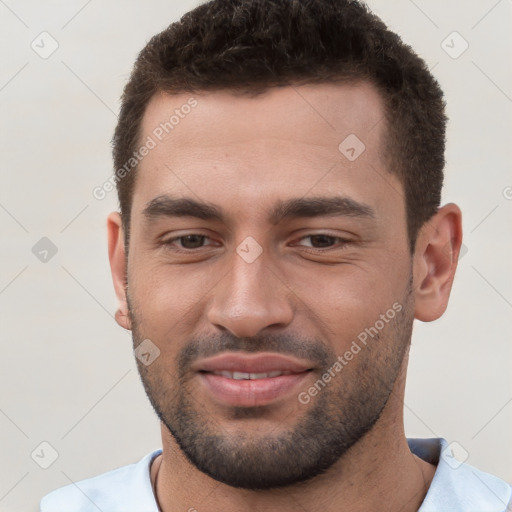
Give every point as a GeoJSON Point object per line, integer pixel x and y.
{"type": "Point", "coordinates": [250, 298]}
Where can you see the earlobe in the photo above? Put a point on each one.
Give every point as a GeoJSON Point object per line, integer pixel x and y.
{"type": "Point", "coordinates": [123, 319]}
{"type": "Point", "coordinates": [435, 262]}
{"type": "Point", "coordinates": [117, 258]}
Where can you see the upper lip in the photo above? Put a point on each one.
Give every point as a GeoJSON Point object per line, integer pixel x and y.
{"type": "Point", "coordinates": [251, 363]}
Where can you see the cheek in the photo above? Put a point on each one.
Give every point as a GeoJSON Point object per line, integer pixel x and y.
{"type": "Point", "coordinates": [343, 302]}
{"type": "Point", "coordinates": [166, 296]}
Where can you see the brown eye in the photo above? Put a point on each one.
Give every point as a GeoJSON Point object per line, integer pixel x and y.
{"type": "Point", "coordinates": [188, 242]}
{"type": "Point", "coordinates": [192, 241]}
{"type": "Point", "coordinates": [321, 241]}
{"type": "Point", "coordinates": [324, 241]}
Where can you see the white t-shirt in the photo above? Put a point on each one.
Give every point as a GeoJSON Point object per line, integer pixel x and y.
{"type": "Point", "coordinates": [456, 487]}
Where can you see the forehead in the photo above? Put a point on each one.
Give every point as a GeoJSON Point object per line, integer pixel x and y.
{"type": "Point", "coordinates": [250, 151]}
{"type": "Point", "coordinates": [319, 113]}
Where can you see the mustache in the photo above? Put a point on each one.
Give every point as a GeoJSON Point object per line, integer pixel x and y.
{"type": "Point", "coordinates": [315, 351]}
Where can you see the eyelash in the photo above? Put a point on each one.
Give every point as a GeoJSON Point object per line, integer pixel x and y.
{"type": "Point", "coordinates": [169, 243]}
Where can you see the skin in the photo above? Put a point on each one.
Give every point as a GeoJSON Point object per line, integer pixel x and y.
{"type": "Point", "coordinates": [243, 154]}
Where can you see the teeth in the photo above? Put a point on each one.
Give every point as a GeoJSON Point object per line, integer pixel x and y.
{"type": "Point", "coordinates": [241, 375]}
{"type": "Point", "coordinates": [250, 376]}
{"type": "Point", "coordinates": [277, 373]}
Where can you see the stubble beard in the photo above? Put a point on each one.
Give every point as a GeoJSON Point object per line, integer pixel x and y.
{"type": "Point", "coordinates": [337, 418]}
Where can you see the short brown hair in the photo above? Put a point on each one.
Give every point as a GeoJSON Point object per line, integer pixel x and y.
{"type": "Point", "coordinates": [248, 46]}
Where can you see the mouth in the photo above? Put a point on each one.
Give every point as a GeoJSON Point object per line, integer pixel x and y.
{"type": "Point", "coordinates": [250, 376]}
{"type": "Point", "coordinates": [249, 380]}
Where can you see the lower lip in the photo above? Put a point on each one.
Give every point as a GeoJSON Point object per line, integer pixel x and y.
{"type": "Point", "coordinates": [251, 393]}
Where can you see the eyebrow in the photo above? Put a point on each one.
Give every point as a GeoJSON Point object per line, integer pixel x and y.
{"type": "Point", "coordinates": [167, 206]}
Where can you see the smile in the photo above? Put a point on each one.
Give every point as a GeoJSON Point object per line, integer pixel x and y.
{"type": "Point", "coordinates": [248, 380]}
{"type": "Point", "coordinates": [250, 376]}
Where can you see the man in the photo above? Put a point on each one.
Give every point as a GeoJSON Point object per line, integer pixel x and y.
{"type": "Point", "coordinates": [279, 165]}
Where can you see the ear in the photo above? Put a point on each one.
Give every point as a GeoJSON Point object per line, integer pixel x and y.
{"type": "Point", "coordinates": [117, 257]}
{"type": "Point", "coordinates": [435, 261]}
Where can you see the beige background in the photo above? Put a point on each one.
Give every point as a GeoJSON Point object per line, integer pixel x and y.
{"type": "Point", "coordinates": [67, 374]}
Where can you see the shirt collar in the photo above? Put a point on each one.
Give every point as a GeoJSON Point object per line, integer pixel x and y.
{"type": "Point", "coordinates": [457, 486]}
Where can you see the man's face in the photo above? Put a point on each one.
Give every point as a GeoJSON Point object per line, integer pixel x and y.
{"type": "Point", "coordinates": [252, 308]}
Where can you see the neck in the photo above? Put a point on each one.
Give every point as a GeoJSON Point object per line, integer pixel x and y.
{"type": "Point", "coordinates": [378, 473]}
